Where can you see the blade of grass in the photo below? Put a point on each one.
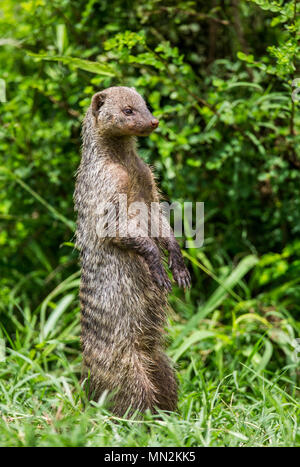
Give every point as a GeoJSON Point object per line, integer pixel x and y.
{"type": "Point", "coordinates": [50, 208]}
{"type": "Point", "coordinates": [61, 306]}
{"type": "Point", "coordinates": [218, 296]}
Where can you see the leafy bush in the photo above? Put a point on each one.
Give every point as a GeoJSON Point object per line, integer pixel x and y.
{"type": "Point", "coordinates": [220, 77]}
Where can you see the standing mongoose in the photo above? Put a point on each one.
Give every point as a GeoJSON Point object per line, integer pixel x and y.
{"type": "Point", "coordinates": [124, 286]}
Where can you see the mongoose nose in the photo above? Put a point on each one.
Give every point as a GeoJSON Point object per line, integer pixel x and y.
{"type": "Point", "coordinates": [154, 122]}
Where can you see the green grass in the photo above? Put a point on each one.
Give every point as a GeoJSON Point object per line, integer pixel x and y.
{"type": "Point", "coordinates": [237, 373]}
{"type": "Point", "coordinates": [48, 408]}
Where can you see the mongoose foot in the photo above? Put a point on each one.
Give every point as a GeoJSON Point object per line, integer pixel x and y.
{"type": "Point", "coordinates": [160, 276]}
{"type": "Point", "coordinates": [179, 270]}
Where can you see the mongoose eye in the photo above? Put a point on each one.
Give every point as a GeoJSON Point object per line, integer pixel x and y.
{"type": "Point", "coordinates": [128, 111]}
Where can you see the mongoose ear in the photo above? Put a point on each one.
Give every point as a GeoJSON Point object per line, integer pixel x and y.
{"type": "Point", "coordinates": [97, 101]}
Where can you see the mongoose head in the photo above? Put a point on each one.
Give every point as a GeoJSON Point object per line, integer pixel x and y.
{"type": "Point", "coordinates": [122, 111]}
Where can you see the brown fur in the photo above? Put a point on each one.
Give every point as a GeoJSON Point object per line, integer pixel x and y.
{"type": "Point", "coordinates": [124, 285]}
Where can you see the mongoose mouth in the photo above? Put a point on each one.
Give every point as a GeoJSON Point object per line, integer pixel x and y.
{"type": "Point", "coordinates": [148, 130]}
{"type": "Point", "coordinates": [145, 133]}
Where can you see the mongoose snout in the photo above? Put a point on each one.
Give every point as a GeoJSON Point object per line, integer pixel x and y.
{"type": "Point", "coordinates": [154, 123]}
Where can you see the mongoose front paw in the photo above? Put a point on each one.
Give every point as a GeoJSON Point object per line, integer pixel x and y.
{"type": "Point", "coordinates": [160, 276]}
{"type": "Point", "coordinates": [179, 270]}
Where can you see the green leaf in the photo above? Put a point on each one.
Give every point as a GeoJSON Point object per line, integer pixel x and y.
{"type": "Point", "coordinates": [87, 65]}
{"type": "Point", "coordinates": [191, 340]}
{"type": "Point", "coordinates": [39, 198]}
{"type": "Point", "coordinates": [245, 84]}
{"type": "Point", "coordinates": [61, 37]}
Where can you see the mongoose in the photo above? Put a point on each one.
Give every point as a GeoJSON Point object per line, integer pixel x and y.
{"type": "Point", "coordinates": [124, 286]}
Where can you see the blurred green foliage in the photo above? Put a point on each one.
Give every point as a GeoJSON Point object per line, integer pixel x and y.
{"type": "Point", "coordinates": [219, 75]}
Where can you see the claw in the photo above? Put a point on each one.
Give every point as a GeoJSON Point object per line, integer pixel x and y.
{"type": "Point", "coordinates": [161, 278]}
{"type": "Point", "coordinates": [182, 277]}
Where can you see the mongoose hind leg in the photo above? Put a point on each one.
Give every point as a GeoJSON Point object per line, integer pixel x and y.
{"type": "Point", "coordinates": [137, 393]}
{"type": "Point", "coordinates": [130, 390]}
